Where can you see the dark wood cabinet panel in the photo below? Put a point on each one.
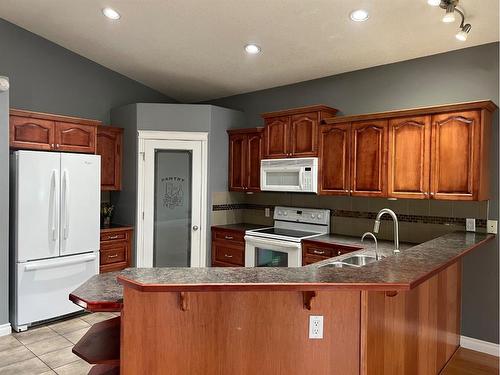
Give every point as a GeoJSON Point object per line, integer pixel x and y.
{"type": "Point", "coordinates": [294, 132]}
{"type": "Point", "coordinates": [31, 133]}
{"type": "Point", "coordinates": [115, 249]}
{"type": "Point", "coordinates": [334, 159]}
{"type": "Point", "coordinates": [409, 157]}
{"type": "Point", "coordinates": [245, 153]}
{"type": "Point", "coordinates": [228, 248]}
{"type": "Point", "coordinates": [109, 146]}
{"type": "Point", "coordinates": [316, 251]}
{"type": "Point", "coordinates": [304, 135]}
{"type": "Point", "coordinates": [254, 151]}
{"type": "Point", "coordinates": [75, 137]}
{"type": "Point", "coordinates": [277, 137]}
{"type": "Point", "coordinates": [456, 155]}
{"type": "Point", "coordinates": [369, 158]}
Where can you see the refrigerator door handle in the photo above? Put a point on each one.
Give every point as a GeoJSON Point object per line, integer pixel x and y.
{"type": "Point", "coordinates": [59, 263]}
{"type": "Point", "coordinates": [66, 211]}
{"type": "Point", "coordinates": [54, 204]}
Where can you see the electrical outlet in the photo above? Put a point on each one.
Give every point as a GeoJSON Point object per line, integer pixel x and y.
{"type": "Point", "coordinates": [492, 226]}
{"type": "Point", "coordinates": [316, 326]}
{"type": "Point", "coordinates": [267, 211]}
{"type": "Point", "coordinates": [470, 225]}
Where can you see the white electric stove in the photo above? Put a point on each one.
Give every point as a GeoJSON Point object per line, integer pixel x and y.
{"type": "Point", "coordinates": [280, 246]}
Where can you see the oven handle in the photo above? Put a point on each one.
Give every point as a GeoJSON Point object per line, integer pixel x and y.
{"type": "Point", "coordinates": [257, 241]}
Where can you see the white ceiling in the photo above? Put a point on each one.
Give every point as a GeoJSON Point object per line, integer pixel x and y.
{"type": "Point", "coordinates": [192, 50]}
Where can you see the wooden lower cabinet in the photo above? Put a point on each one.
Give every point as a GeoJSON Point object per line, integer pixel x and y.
{"type": "Point", "coordinates": [116, 248]}
{"type": "Point", "coordinates": [47, 132]}
{"type": "Point", "coordinates": [228, 248]}
{"type": "Point", "coordinates": [316, 251]}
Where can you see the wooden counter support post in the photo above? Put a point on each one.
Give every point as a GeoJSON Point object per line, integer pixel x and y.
{"type": "Point", "coordinates": [307, 299]}
{"type": "Point", "coordinates": [184, 301]}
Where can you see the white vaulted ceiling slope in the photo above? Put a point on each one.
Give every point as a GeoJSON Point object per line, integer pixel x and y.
{"type": "Point", "coordinates": [193, 50]}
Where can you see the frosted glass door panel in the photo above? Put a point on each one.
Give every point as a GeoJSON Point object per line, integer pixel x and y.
{"type": "Point", "coordinates": [172, 208]}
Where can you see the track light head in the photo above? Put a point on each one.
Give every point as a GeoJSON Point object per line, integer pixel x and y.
{"type": "Point", "coordinates": [449, 16]}
{"type": "Point", "coordinates": [464, 32]}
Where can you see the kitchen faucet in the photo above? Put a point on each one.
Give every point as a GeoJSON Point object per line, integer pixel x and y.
{"type": "Point", "coordinates": [370, 234]}
{"type": "Point", "coordinates": [376, 226]}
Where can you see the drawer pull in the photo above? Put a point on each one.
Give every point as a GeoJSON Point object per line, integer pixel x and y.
{"type": "Point", "coordinates": [113, 256]}
{"type": "Point", "coordinates": [319, 252]}
{"type": "Point", "coordinates": [229, 237]}
{"type": "Point", "coordinates": [339, 252]}
{"type": "Point", "coordinates": [113, 237]}
{"type": "Point", "coordinates": [227, 256]}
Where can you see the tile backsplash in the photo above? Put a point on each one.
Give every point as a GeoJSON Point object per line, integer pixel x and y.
{"type": "Point", "coordinates": [419, 220]}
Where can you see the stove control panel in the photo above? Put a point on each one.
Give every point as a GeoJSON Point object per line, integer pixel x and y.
{"type": "Point", "coordinates": [302, 215]}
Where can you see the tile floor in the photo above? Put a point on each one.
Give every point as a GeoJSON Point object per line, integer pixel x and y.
{"type": "Point", "coordinates": [47, 349]}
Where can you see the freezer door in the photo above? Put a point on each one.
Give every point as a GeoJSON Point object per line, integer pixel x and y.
{"type": "Point", "coordinates": [36, 195]}
{"type": "Point", "coordinates": [80, 203]}
{"type": "Point", "coordinates": [43, 287]}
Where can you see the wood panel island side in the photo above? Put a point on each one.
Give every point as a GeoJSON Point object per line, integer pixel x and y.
{"type": "Point", "coordinates": [400, 315]}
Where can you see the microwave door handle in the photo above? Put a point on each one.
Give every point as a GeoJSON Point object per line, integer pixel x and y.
{"type": "Point", "coordinates": [301, 178]}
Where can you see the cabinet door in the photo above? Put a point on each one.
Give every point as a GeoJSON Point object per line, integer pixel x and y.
{"type": "Point", "coordinates": [31, 133]}
{"type": "Point", "coordinates": [334, 171]}
{"type": "Point", "coordinates": [277, 137]}
{"type": "Point", "coordinates": [409, 157]}
{"type": "Point", "coordinates": [455, 155]}
{"type": "Point", "coordinates": [75, 137]}
{"type": "Point", "coordinates": [254, 155]}
{"type": "Point", "coordinates": [109, 146]}
{"type": "Point", "coordinates": [304, 135]}
{"type": "Point", "coordinates": [369, 158]}
{"type": "Point", "coordinates": [237, 162]}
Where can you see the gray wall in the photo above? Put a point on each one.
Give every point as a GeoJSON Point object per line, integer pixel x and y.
{"type": "Point", "coordinates": [46, 77]}
{"type": "Point", "coordinates": [173, 117]}
{"type": "Point", "coordinates": [4, 207]}
{"type": "Point", "coordinates": [463, 75]}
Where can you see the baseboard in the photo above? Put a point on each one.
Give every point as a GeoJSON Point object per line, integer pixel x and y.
{"type": "Point", "coordinates": [480, 346]}
{"type": "Point", "coordinates": [5, 329]}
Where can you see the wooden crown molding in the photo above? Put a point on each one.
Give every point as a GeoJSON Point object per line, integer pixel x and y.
{"type": "Point", "coordinates": [298, 111]}
{"type": "Point", "coordinates": [52, 117]}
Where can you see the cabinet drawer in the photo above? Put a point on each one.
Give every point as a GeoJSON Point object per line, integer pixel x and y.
{"type": "Point", "coordinates": [319, 251]}
{"type": "Point", "coordinates": [113, 236]}
{"type": "Point", "coordinates": [114, 254]}
{"type": "Point", "coordinates": [228, 254]}
{"type": "Point", "coordinates": [310, 259]}
{"type": "Point", "coordinates": [227, 235]}
{"type": "Point", "coordinates": [325, 251]}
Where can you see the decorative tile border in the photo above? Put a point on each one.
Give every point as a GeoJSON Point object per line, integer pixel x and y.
{"type": "Point", "coordinates": [480, 223]}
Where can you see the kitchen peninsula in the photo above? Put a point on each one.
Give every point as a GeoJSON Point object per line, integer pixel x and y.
{"type": "Point", "coordinates": [398, 315]}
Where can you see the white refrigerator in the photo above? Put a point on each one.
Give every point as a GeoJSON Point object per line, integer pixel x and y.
{"type": "Point", "coordinates": [55, 232]}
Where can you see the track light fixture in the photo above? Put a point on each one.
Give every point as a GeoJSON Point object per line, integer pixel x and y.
{"type": "Point", "coordinates": [450, 7]}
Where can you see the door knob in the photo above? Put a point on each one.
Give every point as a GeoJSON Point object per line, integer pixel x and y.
{"type": "Point", "coordinates": [195, 227]}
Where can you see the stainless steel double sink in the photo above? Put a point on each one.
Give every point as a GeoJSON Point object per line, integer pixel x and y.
{"type": "Point", "coordinates": [359, 260]}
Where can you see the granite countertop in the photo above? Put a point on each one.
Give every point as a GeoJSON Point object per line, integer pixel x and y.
{"type": "Point", "coordinates": [399, 272]}
{"type": "Point", "coordinates": [240, 227]}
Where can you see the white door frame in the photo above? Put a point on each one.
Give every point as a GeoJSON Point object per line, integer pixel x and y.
{"type": "Point", "coordinates": [142, 258]}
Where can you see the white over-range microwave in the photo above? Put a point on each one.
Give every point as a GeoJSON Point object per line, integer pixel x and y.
{"type": "Point", "coordinates": [293, 175]}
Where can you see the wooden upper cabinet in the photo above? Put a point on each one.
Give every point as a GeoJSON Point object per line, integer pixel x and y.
{"type": "Point", "coordinates": [334, 159]}
{"type": "Point", "coordinates": [277, 137]}
{"type": "Point", "coordinates": [43, 131]}
{"type": "Point", "coordinates": [409, 157]}
{"type": "Point", "coordinates": [31, 133]}
{"type": "Point", "coordinates": [245, 153]}
{"type": "Point", "coordinates": [369, 158]}
{"type": "Point", "coordinates": [75, 137]}
{"type": "Point", "coordinates": [303, 135]}
{"type": "Point", "coordinates": [294, 132]}
{"type": "Point", "coordinates": [109, 146]}
{"type": "Point", "coordinates": [254, 151]}
{"type": "Point", "coordinates": [456, 155]}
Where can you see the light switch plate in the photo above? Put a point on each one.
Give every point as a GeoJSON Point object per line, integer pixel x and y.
{"type": "Point", "coordinates": [470, 225]}
{"type": "Point", "coordinates": [491, 226]}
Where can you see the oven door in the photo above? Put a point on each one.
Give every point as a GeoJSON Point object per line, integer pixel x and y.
{"type": "Point", "coordinates": [267, 252]}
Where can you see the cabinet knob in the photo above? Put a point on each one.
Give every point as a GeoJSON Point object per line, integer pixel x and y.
{"type": "Point", "coordinates": [195, 227]}
{"type": "Point", "coordinates": [432, 194]}
{"type": "Point", "coordinates": [339, 252]}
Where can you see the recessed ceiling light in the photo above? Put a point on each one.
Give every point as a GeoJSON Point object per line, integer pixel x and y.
{"type": "Point", "coordinates": [252, 49]}
{"type": "Point", "coordinates": [434, 3]}
{"type": "Point", "coordinates": [359, 15]}
{"type": "Point", "coordinates": [111, 13]}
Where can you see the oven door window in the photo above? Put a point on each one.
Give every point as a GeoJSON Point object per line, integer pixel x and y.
{"type": "Point", "coordinates": [270, 258]}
